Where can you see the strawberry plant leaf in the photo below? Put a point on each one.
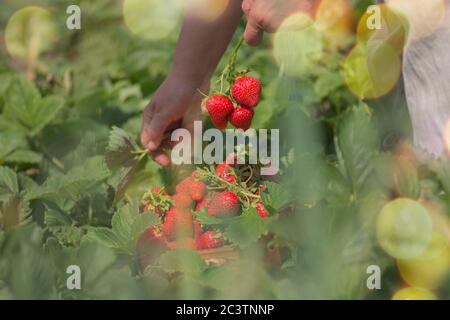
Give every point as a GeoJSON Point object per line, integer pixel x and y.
{"type": "Point", "coordinates": [24, 156]}
{"type": "Point", "coordinates": [121, 148]}
{"type": "Point", "coordinates": [248, 228]}
{"type": "Point", "coordinates": [123, 156]}
{"type": "Point", "coordinates": [127, 225]}
{"type": "Point", "coordinates": [27, 109]}
{"type": "Point", "coordinates": [76, 182]}
{"type": "Point", "coordinates": [358, 144]}
{"type": "Point", "coordinates": [182, 260]}
{"type": "Point", "coordinates": [276, 196]}
{"type": "Point", "coordinates": [205, 219]}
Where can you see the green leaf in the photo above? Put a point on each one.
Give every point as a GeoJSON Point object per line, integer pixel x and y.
{"type": "Point", "coordinates": [27, 268]}
{"type": "Point", "coordinates": [127, 225]}
{"type": "Point", "coordinates": [25, 107]}
{"type": "Point", "coordinates": [10, 142]}
{"type": "Point", "coordinates": [14, 208]}
{"type": "Point", "coordinates": [248, 228]}
{"type": "Point", "coordinates": [121, 148]}
{"type": "Point", "coordinates": [205, 219]}
{"type": "Point", "coordinates": [358, 144]}
{"type": "Point", "coordinates": [76, 182]}
{"type": "Point", "coordinates": [276, 196]}
{"type": "Point", "coordinates": [182, 260]}
{"type": "Point", "coordinates": [122, 155]}
{"type": "Point", "coordinates": [24, 156]}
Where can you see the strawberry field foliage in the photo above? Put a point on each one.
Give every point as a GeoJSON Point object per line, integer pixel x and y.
{"type": "Point", "coordinates": [73, 173]}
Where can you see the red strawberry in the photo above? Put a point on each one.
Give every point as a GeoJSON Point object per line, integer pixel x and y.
{"type": "Point", "coordinates": [182, 201]}
{"type": "Point", "coordinates": [178, 223]}
{"type": "Point", "coordinates": [246, 91]}
{"type": "Point", "coordinates": [241, 118]}
{"type": "Point", "coordinates": [157, 190]}
{"type": "Point", "coordinates": [261, 210]}
{"type": "Point", "coordinates": [201, 204]}
{"type": "Point", "coordinates": [195, 188]}
{"type": "Point", "coordinates": [224, 172]}
{"type": "Point", "coordinates": [219, 108]}
{"type": "Point", "coordinates": [209, 240]}
{"type": "Point", "coordinates": [225, 203]}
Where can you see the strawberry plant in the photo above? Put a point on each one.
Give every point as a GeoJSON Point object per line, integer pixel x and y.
{"type": "Point", "coordinates": [78, 189]}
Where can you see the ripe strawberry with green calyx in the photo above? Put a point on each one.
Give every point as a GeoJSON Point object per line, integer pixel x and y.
{"type": "Point", "coordinates": [209, 240]}
{"type": "Point", "coordinates": [261, 210]}
{"type": "Point", "coordinates": [178, 224]}
{"type": "Point", "coordinates": [219, 108]}
{"type": "Point", "coordinates": [246, 91]}
{"type": "Point", "coordinates": [225, 172]}
{"type": "Point", "coordinates": [241, 118]}
{"type": "Point", "coordinates": [224, 204]}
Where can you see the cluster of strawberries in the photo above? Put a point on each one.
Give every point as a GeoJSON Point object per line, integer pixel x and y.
{"type": "Point", "coordinates": [179, 227]}
{"type": "Point", "coordinates": [246, 92]}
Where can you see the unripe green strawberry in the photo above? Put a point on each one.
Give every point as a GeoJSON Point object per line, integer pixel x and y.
{"type": "Point", "coordinates": [178, 224]}
{"type": "Point", "coordinates": [246, 91]}
{"type": "Point", "coordinates": [219, 108]}
{"type": "Point", "coordinates": [223, 204]}
{"type": "Point", "coordinates": [209, 240]}
{"type": "Point", "coordinates": [241, 118]}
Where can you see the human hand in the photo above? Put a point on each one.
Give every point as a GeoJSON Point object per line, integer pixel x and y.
{"type": "Point", "coordinates": [268, 15]}
{"type": "Point", "coordinates": [176, 104]}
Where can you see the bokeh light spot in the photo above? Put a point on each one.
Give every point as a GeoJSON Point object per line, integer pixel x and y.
{"type": "Point", "coordinates": [424, 16]}
{"type": "Point", "coordinates": [429, 268]}
{"type": "Point", "coordinates": [393, 27]}
{"type": "Point", "coordinates": [371, 70]}
{"type": "Point", "coordinates": [152, 19]}
{"type": "Point", "coordinates": [413, 293]}
{"type": "Point", "coordinates": [404, 228]}
{"type": "Point", "coordinates": [30, 32]}
{"type": "Point", "coordinates": [297, 45]}
{"type": "Point", "coordinates": [334, 18]}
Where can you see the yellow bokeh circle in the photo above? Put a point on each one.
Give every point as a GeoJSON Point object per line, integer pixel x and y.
{"type": "Point", "coordinates": [404, 228]}
{"type": "Point", "coordinates": [429, 268]}
{"type": "Point", "coordinates": [384, 23]}
{"type": "Point", "coordinates": [334, 18]}
{"type": "Point", "coordinates": [371, 70]}
{"type": "Point", "coordinates": [413, 293]}
{"type": "Point", "coordinates": [30, 31]}
{"type": "Point", "coordinates": [152, 19]}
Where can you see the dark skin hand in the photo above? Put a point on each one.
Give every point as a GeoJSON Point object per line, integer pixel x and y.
{"type": "Point", "coordinates": [176, 103]}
